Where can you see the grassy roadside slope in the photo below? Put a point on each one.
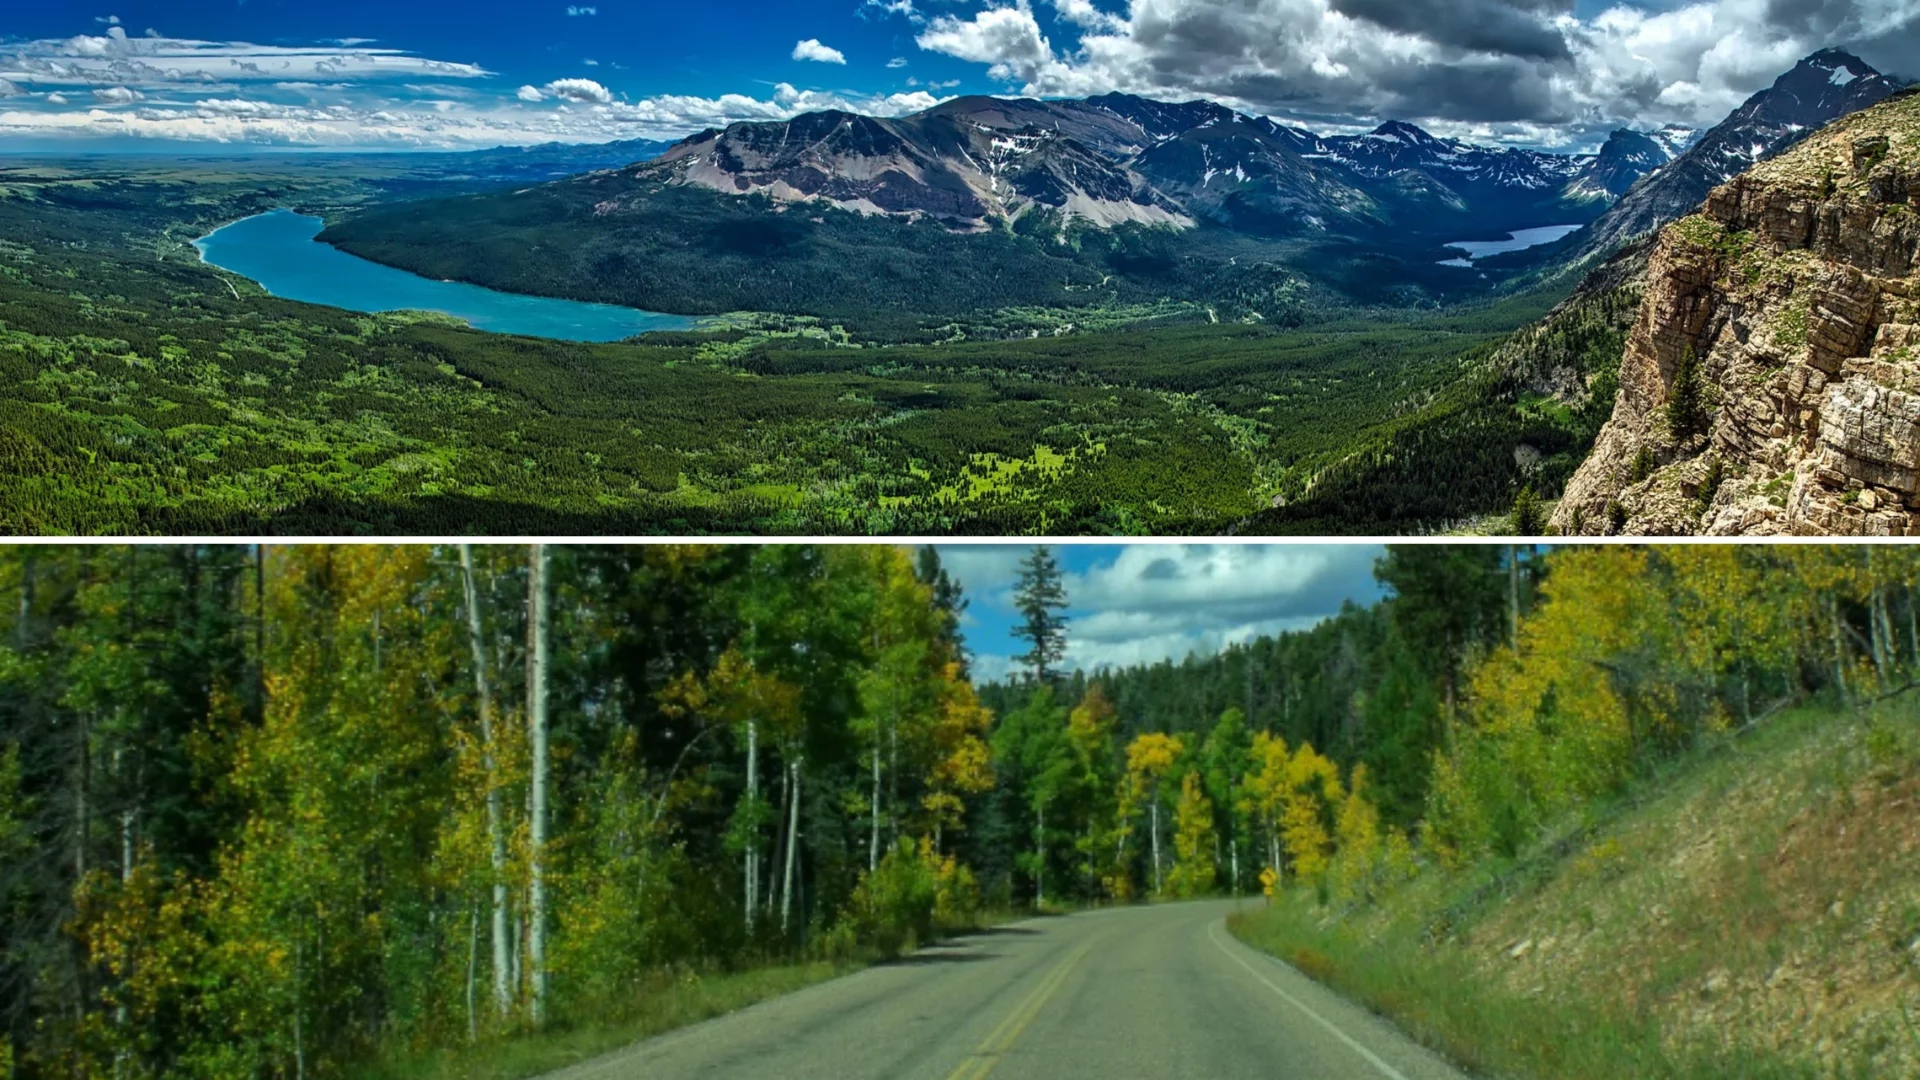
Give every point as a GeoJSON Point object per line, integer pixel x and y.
{"type": "Point", "coordinates": [1751, 911]}
{"type": "Point", "coordinates": [675, 1000]}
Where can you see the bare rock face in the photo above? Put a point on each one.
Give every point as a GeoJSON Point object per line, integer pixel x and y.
{"type": "Point", "coordinates": [1771, 381]}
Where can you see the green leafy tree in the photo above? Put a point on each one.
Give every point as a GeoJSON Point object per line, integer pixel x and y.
{"type": "Point", "coordinates": [1225, 757]}
{"type": "Point", "coordinates": [1033, 745]}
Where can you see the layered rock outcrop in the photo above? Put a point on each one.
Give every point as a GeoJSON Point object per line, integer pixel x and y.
{"type": "Point", "coordinates": [1771, 382]}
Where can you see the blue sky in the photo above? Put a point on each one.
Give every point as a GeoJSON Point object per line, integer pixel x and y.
{"type": "Point", "coordinates": [435, 75]}
{"type": "Point", "coordinates": [1140, 603]}
{"type": "Point", "coordinates": [662, 47]}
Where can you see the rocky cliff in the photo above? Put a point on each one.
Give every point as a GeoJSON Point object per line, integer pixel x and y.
{"type": "Point", "coordinates": [1771, 381]}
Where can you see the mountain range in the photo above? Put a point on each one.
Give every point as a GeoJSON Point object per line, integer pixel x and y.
{"type": "Point", "coordinates": [974, 161]}
{"type": "Point", "coordinates": [1115, 158]}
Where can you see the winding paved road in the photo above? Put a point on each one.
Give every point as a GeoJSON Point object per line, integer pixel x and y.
{"type": "Point", "coordinates": [1144, 992]}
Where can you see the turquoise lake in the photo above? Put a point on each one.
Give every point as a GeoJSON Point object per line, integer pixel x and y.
{"type": "Point", "coordinates": [278, 250]}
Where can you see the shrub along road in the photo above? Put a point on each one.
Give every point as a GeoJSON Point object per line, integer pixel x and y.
{"type": "Point", "coordinates": [1158, 991]}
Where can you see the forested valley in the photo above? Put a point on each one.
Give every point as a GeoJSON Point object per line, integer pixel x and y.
{"type": "Point", "coordinates": [334, 810]}
{"type": "Point", "coordinates": [143, 392]}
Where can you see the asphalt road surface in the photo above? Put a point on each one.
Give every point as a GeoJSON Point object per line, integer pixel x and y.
{"type": "Point", "coordinates": [1129, 993]}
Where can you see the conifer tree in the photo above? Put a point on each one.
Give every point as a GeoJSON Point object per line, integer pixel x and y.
{"type": "Point", "coordinates": [1040, 596]}
{"type": "Point", "coordinates": [1687, 410]}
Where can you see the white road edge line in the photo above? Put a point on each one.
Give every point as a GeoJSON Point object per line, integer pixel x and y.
{"type": "Point", "coordinates": [1372, 1058]}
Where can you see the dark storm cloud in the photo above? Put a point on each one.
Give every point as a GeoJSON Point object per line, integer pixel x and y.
{"type": "Point", "coordinates": [1529, 71]}
{"type": "Point", "coordinates": [1484, 90]}
{"type": "Point", "coordinates": [1520, 29]}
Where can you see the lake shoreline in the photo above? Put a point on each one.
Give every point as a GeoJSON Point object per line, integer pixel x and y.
{"type": "Point", "coordinates": [278, 250]}
{"type": "Point", "coordinates": [1516, 240]}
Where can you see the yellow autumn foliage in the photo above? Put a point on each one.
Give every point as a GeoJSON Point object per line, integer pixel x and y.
{"type": "Point", "coordinates": [1311, 796]}
{"type": "Point", "coordinates": [1193, 840]}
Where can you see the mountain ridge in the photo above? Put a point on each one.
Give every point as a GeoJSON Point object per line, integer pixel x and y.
{"type": "Point", "coordinates": [1768, 123]}
{"type": "Point", "coordinates": [1120, 157]}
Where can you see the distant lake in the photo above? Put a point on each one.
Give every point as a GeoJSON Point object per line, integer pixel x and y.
{"type": "Point", "coordinates": [278, 250]}
{"type": "Point", "coordinates": [1515, 241]}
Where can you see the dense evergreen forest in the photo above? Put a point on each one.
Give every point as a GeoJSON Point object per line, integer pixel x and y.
{"type": "Point", "coordinates": [285, 811]}
{"type": "Point", "coordinates": [142, 392]}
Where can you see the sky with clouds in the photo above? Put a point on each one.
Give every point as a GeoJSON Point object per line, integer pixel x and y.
{"type": "Point", "coordinates": [1141, 603]}
{"type": "Point", "coordinates": [434, 75]}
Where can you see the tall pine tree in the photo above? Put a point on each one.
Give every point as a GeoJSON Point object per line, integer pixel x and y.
{"type": "Point", "coordinates": [1040, 597]}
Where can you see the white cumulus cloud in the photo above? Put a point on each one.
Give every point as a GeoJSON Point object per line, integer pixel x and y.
{"type": "Point", "coordinates": [344, 93]}
{"type": "Point", "coordinates": [811, 49]}
{"type": "Point", "coordinates": [1084, 14]}
{"type": "Point", "coordinates": [582, 90]}
{"type": "Point", "coordinates": [1008, 39]}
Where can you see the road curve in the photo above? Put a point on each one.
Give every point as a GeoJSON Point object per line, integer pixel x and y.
{"type": "Point", "coordinates": [1143, 992]}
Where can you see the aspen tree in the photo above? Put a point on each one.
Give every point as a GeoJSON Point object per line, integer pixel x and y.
{"type": "Point", "coordinates": [537, 632]}
{"type": "Point", "coordinates": [1150, 758]}
{"type": "Point", "coordinates": [496, 827]}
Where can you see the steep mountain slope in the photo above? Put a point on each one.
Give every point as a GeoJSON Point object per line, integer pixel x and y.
{"type": "Point", "coordinates": [1251, 176]}
{"type": "Point", "coordinates": [963, 164]}
{"type": "Point", "coordinates": [1770, 383]}
{"type": "Point", "coordinates": [1821, 88]}
{"type": "Point", "coordinates": [1676, 139]}
{"type": "Point", "coordinates": [1626, 157]}
{"type": "Point", "coordinates": [1520, 414]}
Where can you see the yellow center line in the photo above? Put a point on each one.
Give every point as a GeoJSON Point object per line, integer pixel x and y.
{"type": "Point", "coordinates": [981, 1062]}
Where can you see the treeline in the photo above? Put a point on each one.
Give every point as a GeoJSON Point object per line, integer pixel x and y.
{"type": "Point", "coordinates": [1256, 754]}
{"type": "Point", "coordinates": [1495, 691]}
{"type": "Point", "coordinates": [266, 812]}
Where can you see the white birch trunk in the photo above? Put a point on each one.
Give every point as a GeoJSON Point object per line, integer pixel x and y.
{"type": "Point", "coordinates": [873, 842]}
{"type": "Point", "coordinates": [473, 964]}
{"type": "Point", "coordinates": [496, 829]}
{"type": "Point", "coordinates": [752, 868]}
{"type": "Point", "coordinates": [537, 794]}
{"type": "Point", "coordinates": [793, 842]}
{"type": "Point", "coordinates": [1155, 809]}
